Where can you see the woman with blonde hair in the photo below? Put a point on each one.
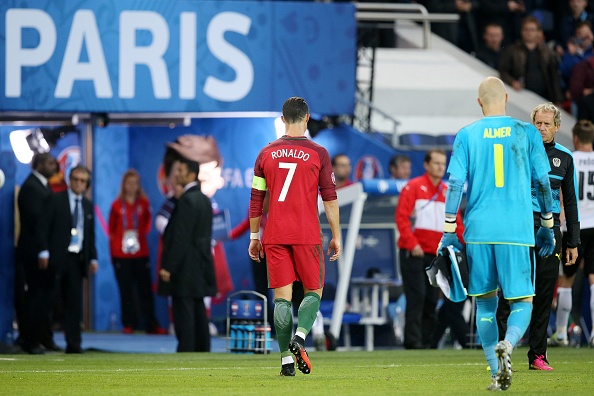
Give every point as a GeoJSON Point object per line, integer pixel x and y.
{"type": "Point", "coordinates": [129, 224]}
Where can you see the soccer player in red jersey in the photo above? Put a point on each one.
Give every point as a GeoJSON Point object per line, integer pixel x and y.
{"type": "Point", "coordinates": [293, 169]}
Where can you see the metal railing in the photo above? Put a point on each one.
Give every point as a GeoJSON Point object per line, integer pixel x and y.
{"type": "Point", "coordinates": [387, 15]}
{"type": "Point", "coordinates": [383, 12]}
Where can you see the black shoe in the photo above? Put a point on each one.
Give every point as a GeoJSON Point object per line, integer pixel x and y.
{"type": "Point", "coordinates": [52, 346]}
{"type": "Point", "coordinates": [414, 345]}
{"type": "Point", "coordinates": [70, 349]}
{"type": "Point", "coordinates": [301, 357]}
{"type": "Point", "coordinates": [288, 370]}
{"type": "Point", "coordinates": [35, 350]}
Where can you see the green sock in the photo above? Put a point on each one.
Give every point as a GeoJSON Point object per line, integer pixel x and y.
{"type": "Point", "coordinates": [283, 323]}
{"type": "Point", "coordinates": [308, 311]}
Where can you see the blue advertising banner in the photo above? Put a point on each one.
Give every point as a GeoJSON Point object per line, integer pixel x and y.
{"type": "Point", "coordinates": [175, 56]}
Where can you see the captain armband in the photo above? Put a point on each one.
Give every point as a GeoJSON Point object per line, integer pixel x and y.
{"type": "Point", "coordinates": [259, 183]}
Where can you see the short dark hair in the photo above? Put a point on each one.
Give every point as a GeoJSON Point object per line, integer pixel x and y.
{"type": "Point", "coordinates": [193, 166]}
{"type": "Point", "coordinates": [581, 24]}
{"type": "Point", "coordinates": [84, 169]}
{"type": "Point", "coordinates": [295, 109]}
{"type": "Point", "coordinates": [40, 158]}
{"type": "Point", "coordinates": [530, 19]}
{"type": "Point", "coordinates": [430, 153]}
{"type": "Point", "coordinates": [398, 159]}
{"type": "Point", "coordinates": [584, 130]}
{"type": "Point", "coordinates": [492, 24]}
{"type": "Point", "coordinates": [333, 160]}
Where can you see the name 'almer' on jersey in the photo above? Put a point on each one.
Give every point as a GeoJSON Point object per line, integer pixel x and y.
{"type": "Point", "coordinates": [290, 153]}
{"type": "Point", "coordinates": [492, 133]}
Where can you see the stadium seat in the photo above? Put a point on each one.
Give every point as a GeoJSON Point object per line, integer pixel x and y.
{"type": "Point", "coordinates": [417, 139]}
{"type": "Point", "coordinates": [445, 140]}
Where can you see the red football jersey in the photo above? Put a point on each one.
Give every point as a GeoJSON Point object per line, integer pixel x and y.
{"type": "Point", "coordinates": [294, 170]}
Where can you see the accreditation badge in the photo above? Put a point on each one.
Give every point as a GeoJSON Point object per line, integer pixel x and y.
{"type": "Point", "coordinates": [74, 247]}
{"type": "Point", "coordinates": [130, 243]}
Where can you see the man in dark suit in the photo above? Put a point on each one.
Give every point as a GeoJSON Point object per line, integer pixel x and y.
{"type": "Point", "coordinates": [30, 293]}
{"type": "Point", "coordinates": [187, 270]}
{"type": "Point", "coordinates": [68, 252]}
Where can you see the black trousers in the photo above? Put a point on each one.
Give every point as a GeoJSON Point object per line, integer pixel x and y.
{"type": "Point", "coordinates": [450, 315]}
{"type": "Point", "coordinates": [191, 324]}
{"type": "Point", "coordinates": [20, 299]}
{"type": "Point", "coordinates": [70, 285]}
{"type": "Point", "coordinates": [134, 281]}
{"type": "Point", "coordinates": [547, 273]}
{"type": "Point", "coordinates": [421, 300]}
{"type": "Point", "coordinates": [38, 303]}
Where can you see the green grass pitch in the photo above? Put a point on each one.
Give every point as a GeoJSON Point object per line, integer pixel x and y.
{"type": "Point", "coordinates": [385, 372]}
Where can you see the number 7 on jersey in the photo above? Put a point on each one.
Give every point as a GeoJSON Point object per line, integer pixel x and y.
{"type": "Point", "coordinates": [291, 167]}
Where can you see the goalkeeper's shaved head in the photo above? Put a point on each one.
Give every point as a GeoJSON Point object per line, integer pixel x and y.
{"type": "Point", "coordinates": [492, 96]}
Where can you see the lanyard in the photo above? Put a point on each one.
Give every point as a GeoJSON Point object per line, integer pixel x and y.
{"type": "Point", "coordinates": [434, 197]}
{"type": "Point", "coordinates": [125, 216]}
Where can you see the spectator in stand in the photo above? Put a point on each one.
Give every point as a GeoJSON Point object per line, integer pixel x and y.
{"type": "Point", "coordinates": [507, 14]}
{"type": "Point", "coordinates": [579, 48]}
{"type": "Point", "coordinates": [463, 34]}
{"type": "Point", "coordinates": [581, 82]}
{"type": "Point", "coordinates": [400, 167]}
{"type": "Point", "coordinates": [129, 224]}
{"type": "Point", "coordinates": [341, 165]}
{"type": "Point", "coordinates": [490, 51]}
{"type": "Point", "coordinates": [576, 14]}
{"type": "Point", "coordinates": [425, 196]}
{"type": "Point", "coordinates": [585, 109]}
{"type": "Point", "coordinates": [530, 64]}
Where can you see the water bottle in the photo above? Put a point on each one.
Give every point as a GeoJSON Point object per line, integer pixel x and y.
{"type": "Point", "coordinates": [399, 326]}
{"type": "Point", "coordinates": [233, 337]}
{"type": "Point", "coordinates": [113, 322]}
{"type": "Point", "coordinates": [250, 329]}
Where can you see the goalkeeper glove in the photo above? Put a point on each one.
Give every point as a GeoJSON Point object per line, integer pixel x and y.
{"type": "Point", "coordinates": [545, 237]}
{"type": "Point", "coordinates": [449, 236]}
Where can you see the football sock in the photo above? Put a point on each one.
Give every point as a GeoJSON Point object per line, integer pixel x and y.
{"type": "Point", "coordinates": [518, 321]}
{"type": "Point", "coordinates": [564, 305]}
{"type": "Point", "coordinates": [592, 303]}
{"type": "Point", "coordinates": [486, 325]}
{"type": "Point", "coordinates": [308, 310]}
{"type": "Point", "coordinates": [286, 358]}
{"type": "Point", "coordinates": [283, 323]}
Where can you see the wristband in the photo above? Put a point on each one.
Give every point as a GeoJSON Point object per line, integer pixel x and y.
{"type": "Point", "coordinates": [450, 227]}
{"type": "Point", "coordinates": [547, 223]}
{"type": "Point", "coordinates": [255, 235]}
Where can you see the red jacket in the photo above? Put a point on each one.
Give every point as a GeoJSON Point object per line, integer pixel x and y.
{"type": "Point", "coordinates": [141, 209]}
{"type": "Point", "coordinates": [425, 203]}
